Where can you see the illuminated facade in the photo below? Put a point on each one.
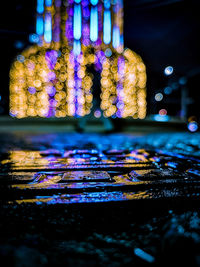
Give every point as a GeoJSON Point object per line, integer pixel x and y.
{"type": "Point", "coordinates": [52, 78]}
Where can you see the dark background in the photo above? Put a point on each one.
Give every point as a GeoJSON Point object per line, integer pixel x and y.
{"type": "Point", "coordinates": [163, 32]}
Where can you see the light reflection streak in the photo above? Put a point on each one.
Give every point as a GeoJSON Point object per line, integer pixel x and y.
{"type": "Point", "coordinates": [94, 197]}
{"type": "Point", "coordinates": [74, 159]}
{"type": "Point", "coordinates": [70, 176]}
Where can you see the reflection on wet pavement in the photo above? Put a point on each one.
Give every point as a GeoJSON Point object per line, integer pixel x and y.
{"type": "Point", "coordinates": [50, 169]}
{"type": "Point", "coordinates": [24, 160]}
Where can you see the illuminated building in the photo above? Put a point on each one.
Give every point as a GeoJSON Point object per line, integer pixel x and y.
{"type": "Point", "coordinates": [51, 78]}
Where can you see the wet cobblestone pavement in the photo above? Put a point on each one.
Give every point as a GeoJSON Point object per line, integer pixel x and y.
{"type": "Point", "coordinates": [94, 199]}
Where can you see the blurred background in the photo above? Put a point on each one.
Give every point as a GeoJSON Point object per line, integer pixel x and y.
{"type": "Point", "coordinates": [164, 32]}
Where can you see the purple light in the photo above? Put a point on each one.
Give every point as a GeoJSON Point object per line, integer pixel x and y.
{"type": "Point", "coordinates": [51, 58]}
{"type": "Point", "coordinates": [51, 91]}
{"type": "Point", "coordinates": [58, 3]}
{"type": "Point", "coordinates": [69, 29]}
{"type": "Point", "coordinates": [71, 12]}
{"type": "Point", "coordinates": [32, 90]}
{"type": "Point", "coordinates": [97, 114]}
{"type": "Point", "coordinates": [56, 30]}
{"type": "Point", "coordinates": [118, 114]}
{"type": "Point", "coordinates": [120, 105]}
{"type": "Point", "coordinates": [98, 42]}
{"type": "Point", "coordinates": [85, 3]}
{"type": "Point", "coordinates": [86, 12]}
{"type": "Point", "coordinates": [86, 30]}
{"type": "Point", "coordinates": [120, 100]}
{"type": "Point", "coordinates": [51, 76]}
{"type": "Point", "coordinates": [193, 126]}
{"type": "Point", "coordinates": [52, 102]}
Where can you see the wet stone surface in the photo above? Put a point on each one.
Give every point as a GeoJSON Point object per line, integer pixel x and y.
{"type": "Point", "coordinates": [92, 199]}
{"type": "Point", "coordinates": [78, 168]}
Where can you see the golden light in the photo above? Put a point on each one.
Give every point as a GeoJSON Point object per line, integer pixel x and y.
{"type": "Point", "coordinates": [52, 78]}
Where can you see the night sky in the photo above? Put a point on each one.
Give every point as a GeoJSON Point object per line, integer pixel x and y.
{"type": "Point", "coordinates": [163, 32]}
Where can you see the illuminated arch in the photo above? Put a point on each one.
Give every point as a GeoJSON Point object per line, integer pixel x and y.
{"type": "Point", "coordinates": [50, 79]}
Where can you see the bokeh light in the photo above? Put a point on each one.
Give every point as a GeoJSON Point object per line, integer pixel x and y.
{"type": "Point", "coordinates": [53, 78]}
{"type": "Point", "coordinates": [193, 126]}
{"type": "Point", "coordinates": [163, 112]}
{"type": "Point", "coordinates": [168, 90]}
{"type": "Point", "coordinates": [159, 97]}
{"type": "Point", "coordinates": [168, 70]}
{"type": "Point", "coordinates": [97, 113]}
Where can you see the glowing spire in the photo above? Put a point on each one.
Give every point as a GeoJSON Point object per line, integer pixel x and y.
{"type": "Point", "coordinates": [77, 25]}
{"type": "Point", "coordinates": [116, 37]}
{"type": "Point", "coordinates": [48, 28]}
{"type": "Point", "coordinates": [107, 26]}
{"type": "Point", "coordinates": [40, 6]}
{"type": "Point", "coordinates": [94, 24]}
{"type": "Point", "coordinates": [48, 3]}
{"type": "Point", "coordinates": [39, 25]}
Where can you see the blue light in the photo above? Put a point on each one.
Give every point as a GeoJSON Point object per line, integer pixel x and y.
{"type": "Point", "coordinates": [77, 1]}
{"type": "Point", "coordinates": [19, 44]}
{"type": "Point", "coordinates": [107, 4]}
{"type": "Point", "coordinates": [122, 39]}
{"type": "Point", "coordinates": [48, 28]}
{"type": "Point", "coordinates": [20, 58]}
{"type": "Point", "coordinates": [77, 47]}
{"type": "Point", "coordinates": [183, 80]}
{"type": "Point", "coordinates": [94, 24]}
{"type": "Point", "coordinates": [94, 2]}
{"type": "Point", "coordinates": [168, 70]}
{"type": "Point", "coordinates": [40, 6]}
{"type": "Point", "coordinates": [34, 38]}
{"type": "Point", "coordinates": [77, 22]}
{"type": "Point", "coordinates": [39, 25]}
{"type": "Point", "coordinates": [167, 90]}
{"type": "Point", "coordinates": [108, 52]}
{"type": "Point", "coordinates": [116, 37]}
{"type": "Point", "coordinates": [107, 27]}
{"type": "Point", "coordinates": [159, 117]}
{"type": "Point", "coordinates": [48, 2]}
{"type": "Point", "coordinates": [143, 255]}
{"type": "Point", "coordinates": [193, 126]}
